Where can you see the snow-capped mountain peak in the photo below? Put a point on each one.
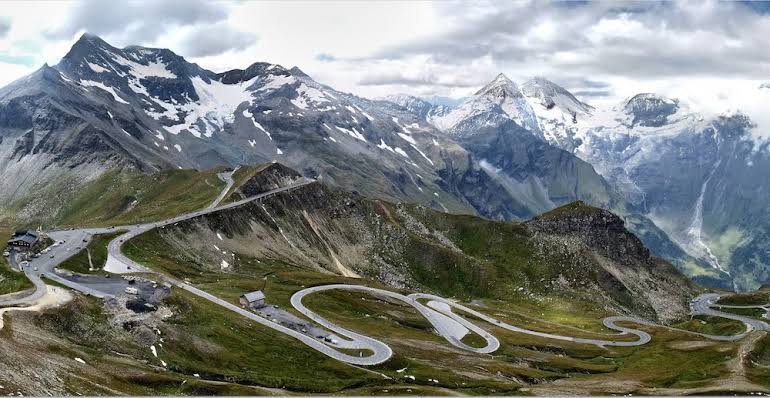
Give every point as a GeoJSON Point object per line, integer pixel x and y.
{"type": "Point", "coordinates": [549, 95]}
{"type": "Point", "coordinates": [500, 87]}
{"type": "Point", "coordinates": [650, 110]}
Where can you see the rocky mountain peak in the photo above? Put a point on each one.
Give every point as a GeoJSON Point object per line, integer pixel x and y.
{"type": "Point", "coordinates": [598, 228]}
{"type": "Point", "coordinates": [500, 87]}
{"type": "Point", "coordinates": [650, 110]}
{"type": "Point", "coordinates": [87, 45]}
{"type": "Point", "coordinates": [256, 69]}
{"type": "Point", "coordinates": [550, 95]}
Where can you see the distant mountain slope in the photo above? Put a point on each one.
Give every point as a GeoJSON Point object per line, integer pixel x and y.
{"type": "Point", "coordinates": [149, 109]}
{"type": "Point", "coordinates": [499, 127]}
{"type": "Point", "coordinates": [696, 182]}
{"type": "Point", "coordinates": [574, 252]}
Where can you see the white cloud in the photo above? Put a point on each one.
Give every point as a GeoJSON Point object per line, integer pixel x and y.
{"type": "Point", "coordinates": [603, 51]}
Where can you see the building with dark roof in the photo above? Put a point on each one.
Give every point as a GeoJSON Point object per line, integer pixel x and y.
{"type": "Point", "coordinates": [254, 299]}
{"type": "Point", "coordinates": [23, 240]}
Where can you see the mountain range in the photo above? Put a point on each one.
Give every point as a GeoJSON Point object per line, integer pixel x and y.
{"type": "Point", "coordinates": [691, 186]}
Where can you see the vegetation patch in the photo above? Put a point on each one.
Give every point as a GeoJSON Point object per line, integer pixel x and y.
{"type": "Point", "coordinates": [12, 281]}
{"type": "Point", "coordinates": [129, 197]}
{"type": "Point", "coordinates": [96, 250]}
{"type": "Point", "coordinates": [712, 325]}
{"type": "Point", "coordinates": [752, 298]}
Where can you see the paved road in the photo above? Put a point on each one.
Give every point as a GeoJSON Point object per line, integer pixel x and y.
{"type": "Point", "coordinates": [445, 322]}
{"type": "Point", "coordinates": [704, 305]}
{"type": "Point", "coordinates": [439, 311]}
{"type": "Point", "coordinates": [765, 307]}
{"type": "Point", "coordinates": [227, 177]}
{"type": "Point", "coordinates": [75, 240]}
{"type": "Point", "coordinates": [118, 263]}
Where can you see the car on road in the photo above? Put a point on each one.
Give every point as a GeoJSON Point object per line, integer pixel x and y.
{"type": "Point", "coordinates": [51, 255]}
{"type": "Point", "coordinates": [23, 263]}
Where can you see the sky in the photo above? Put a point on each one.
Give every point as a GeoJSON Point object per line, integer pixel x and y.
{"type": "Point", "coordinates": [714, 55]}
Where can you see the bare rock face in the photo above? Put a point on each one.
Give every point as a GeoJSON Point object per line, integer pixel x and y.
{"type": "Point", "coordinates": [625, 270]}
{"type": "Point", "coordinates": [599, 229]}
{"type": "Point", "coordinates": [271, 177]}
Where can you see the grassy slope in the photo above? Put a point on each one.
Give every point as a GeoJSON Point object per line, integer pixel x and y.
{"type": "Point", "coordinates": [126, 197]}
{"type": "Point", "coordinates": [759, 362]}
{"type": "Point", "coordinates": [753, 298]}
{"type": "Point", "coordinates": [427, 356]}
{"type": "Point", "coordinates": [10, 281]}
{"type": "Point", "coordinates": [198, 338]}
{"type": "Point", "coordinates": [98, 250]}
{"type": "Point", "coordinates": [712, 325]}
{"type": "Point", "coordinates": [240, 177]}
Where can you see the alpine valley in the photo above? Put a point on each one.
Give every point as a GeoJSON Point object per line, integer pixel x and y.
{"type": "Point", "coordinates": [692, 188]}
{"type": "Point", "coordinates": [170, 220]}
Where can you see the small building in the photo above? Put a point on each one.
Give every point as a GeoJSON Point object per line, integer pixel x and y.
{"type": "Point", "coordinates": [23, 240]}
{"type": "Point", "coordinates": [254, 299]}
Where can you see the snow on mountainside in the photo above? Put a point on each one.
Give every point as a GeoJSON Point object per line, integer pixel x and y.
{"type": "Point", "coordinates": [418, 106]}
{"type": "Point", "coordinates": [696, 175]}
{"type": "Point", "coordinates": [500, 96]}
{"type": "Point", "coordinates": [149, 109]}
{"type": "Point", "coordinates": [500, 127]}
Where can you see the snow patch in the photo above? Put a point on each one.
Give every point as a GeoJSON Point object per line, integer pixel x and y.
{"type": "Point", "coordinates": [91, 83]}
{"type": "Point", "coordinates": [97, 68]}
{"type": "Point", "coordinates": [353, 133]}
{"type": "Point", "coordinates": [215, 107]}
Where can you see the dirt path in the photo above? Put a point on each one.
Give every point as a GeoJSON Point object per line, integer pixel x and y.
{"type": "Point", "coordinates": [53, 297]}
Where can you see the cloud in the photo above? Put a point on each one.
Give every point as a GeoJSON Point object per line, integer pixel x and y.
{"type": "Point", "coordinates": [324, 57]}
{"type": "Point", "coordinates": [5, 27]}
{"type": "Point", "coordinates": [640, 40]}
{"type": "Point", "coordinates": [592, 93]}
{"type": "Point", "coordinates": [27, 60]}
{"type": "Point", "coordinates": [215, 40]}
{"type": "Point", "coordinates": [136, 22]}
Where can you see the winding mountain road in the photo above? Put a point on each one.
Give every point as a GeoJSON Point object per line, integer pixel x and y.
{"type": "Point", "coordinates": [444, 315]}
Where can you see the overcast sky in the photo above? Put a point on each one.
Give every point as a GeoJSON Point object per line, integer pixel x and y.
{"type": "Point", "coordinates": [708, 52]}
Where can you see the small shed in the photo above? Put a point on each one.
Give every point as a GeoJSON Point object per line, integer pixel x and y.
{"type": "Point", "coordinates": [255, 299]}
{"type": "Point", "coordinates": [23, 239]}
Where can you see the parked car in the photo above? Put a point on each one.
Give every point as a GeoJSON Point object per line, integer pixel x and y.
{"type": "Point", "coordinates": [6, 254]}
